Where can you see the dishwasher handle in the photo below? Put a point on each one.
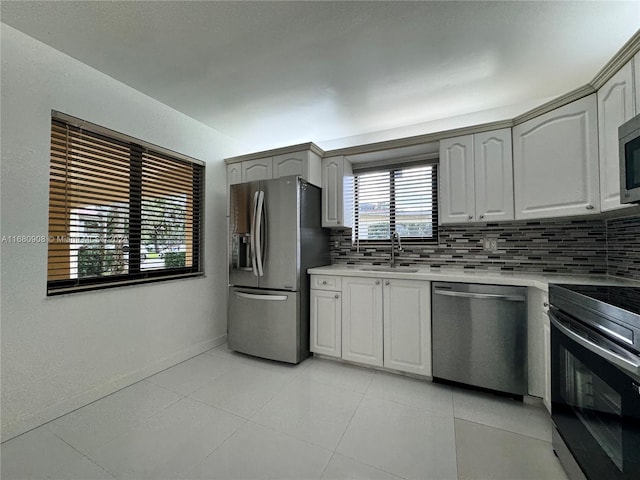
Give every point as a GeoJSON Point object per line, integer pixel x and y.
{"type": "Point", "coordinates": [485, 296]}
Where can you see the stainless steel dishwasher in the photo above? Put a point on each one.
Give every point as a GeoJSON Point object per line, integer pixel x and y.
{"type": "Point", "coordinates": [479, 335]}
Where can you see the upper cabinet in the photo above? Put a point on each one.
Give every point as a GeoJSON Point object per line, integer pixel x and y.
{"type": "Point", "coordinates": [306, 163]}
{"type": "Point", "coordinates": [476, 178]}
{"type": "Point", "coordinates": [555, 162]}
{"type": "Point", "coordinates": [616, 105]}
{"type": "Point", "coordinates": [260, 169]}
{"type": "Point", "coordinates": [636, 75]}
{"type": "Point", "coordinates": [337, 192]}
{"type": "Point", "coordinates": [456, 181]}
{"type": "Point", "coordinates": [234, 173]}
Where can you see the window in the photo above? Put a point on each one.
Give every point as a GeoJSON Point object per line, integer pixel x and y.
{"type": "Point", "coordinates": [120, 211]}
{"type": "Point", "coordinates": [402, 199]}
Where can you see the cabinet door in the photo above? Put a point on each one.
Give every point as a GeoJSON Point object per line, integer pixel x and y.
{"type": "Point", "coordinates": [636, 77]}
{"type": "Point", "coordinates": [616, 105]}
{"type": "Point", "coordinates": [260, 169]}
{"type": "Point", "coordinates": [546, 336]}
{"type": "Point", "coordinates": [362, 320]}
{"type": "Point", "coordinates": [555, 162]}
{"type": "Point", "coordinates": [305, 163]}
{"type": "Point", "coordinates": [407, 326]}
{"type": "Point", "coordinates": [457, 192]}
{"type": "Point", "coordinates": [337, 192]}
{"type": "Point", "coordinates": [493, 167]}
{"type": "Point", "coordinates": [234, 173]}
{"type": "Point", "coordinates": [326, 323]}
{"type": "Point", "coordinates": [536, 300]}
{"type": "Point", "coordinates": [291, 164]}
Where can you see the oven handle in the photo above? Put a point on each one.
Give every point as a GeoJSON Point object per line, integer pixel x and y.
{"type": "Point", "coordinates": [620, 361]}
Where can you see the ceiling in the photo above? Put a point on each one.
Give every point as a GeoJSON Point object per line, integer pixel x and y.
{"type": "Point", "coordinates": [271, 74]}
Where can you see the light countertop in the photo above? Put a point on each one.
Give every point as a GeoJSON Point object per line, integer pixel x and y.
{"type": "Point", "coordinates": [524, 279]}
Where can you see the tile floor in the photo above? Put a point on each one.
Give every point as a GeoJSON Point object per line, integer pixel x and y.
{"type": "Point", "coordinates": [222, 415]}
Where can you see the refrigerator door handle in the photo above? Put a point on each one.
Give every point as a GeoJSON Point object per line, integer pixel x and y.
{"type": "Point", "coordinates": [259, 251]}
{"type": "Point", "coordinates": [254, 215]}
{"type": "Point", "coordinates": [255, 296]}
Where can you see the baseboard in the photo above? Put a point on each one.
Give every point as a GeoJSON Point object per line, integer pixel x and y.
{"type": "Point", "coordinates": [28, 422]}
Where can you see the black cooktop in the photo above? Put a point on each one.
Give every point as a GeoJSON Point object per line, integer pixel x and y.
{"type": "Point", "coordinates": [625, 298]}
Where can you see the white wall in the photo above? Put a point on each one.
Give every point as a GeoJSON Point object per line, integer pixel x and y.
{"type": "Point", "coordinates": [60, 353]}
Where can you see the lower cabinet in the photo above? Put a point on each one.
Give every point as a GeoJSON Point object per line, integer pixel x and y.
{"type": "Point", "coordinates": [326, 323]}
{"type": "Point", "coordinates": [407, 326]}
{"type": "Point", "coordinates": [539, 345]}
{"type": "Point", "coordinates": [546, 336]}
{"type": "Point", "coordinates": [374, 321]}
{"type": "Point", "coordinates": [362, 320]}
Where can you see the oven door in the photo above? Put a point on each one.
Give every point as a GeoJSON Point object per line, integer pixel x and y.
{"type": "Point", "coordinates": [595, 396]}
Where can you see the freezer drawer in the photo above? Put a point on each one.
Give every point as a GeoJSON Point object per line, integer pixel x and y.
{"type": "Point", "coordinates": [265, 323]}
{"type": "Point", "coordinates": [480, 335]}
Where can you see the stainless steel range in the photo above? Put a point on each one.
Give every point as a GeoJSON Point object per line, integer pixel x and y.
{"type": "Point", "coordinates": [595, 380]}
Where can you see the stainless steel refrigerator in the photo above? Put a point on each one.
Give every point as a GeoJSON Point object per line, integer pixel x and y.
{"type": "Point", "coordinates": [275, 234]}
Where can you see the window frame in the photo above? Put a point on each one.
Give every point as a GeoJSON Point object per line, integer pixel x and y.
{"type": "Point", "coordinates": [392, 170]}
{"type": "Point", "coordinates": [135, 274]}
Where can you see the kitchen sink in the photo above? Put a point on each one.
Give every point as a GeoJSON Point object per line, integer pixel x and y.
{"type": "Point", "coordinates": [390, 269]}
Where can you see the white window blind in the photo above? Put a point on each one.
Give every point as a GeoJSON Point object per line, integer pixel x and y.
{"type": "Point", "coordinates": [402, 199]}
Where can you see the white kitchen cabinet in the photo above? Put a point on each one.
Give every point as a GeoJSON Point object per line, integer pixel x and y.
{"type": "Point", "coordinates": [407, 325]}
{"type": "Point", "coordinates": [636, 83]}
{"type": "Point", "coordinates": [234, 173]}
{"type": "Point", "coordinates": [539, 345]}
{"type": "Point", "coordinates": [362, 320]}
{"type": "Point", "coordinates": [555, 162]}
{"type": "Point", "coordinates": [258, 169]}
{"type": "Point", "coordinates": [304, 163]}
{"type": "Point", "coordinates": [476, 178]}
{"type": "Point", "coordinates": [337, 192]}
{"type": "Point", "coordinates": [546, 337]}
{"type": "Point", "coordinates": [457, 202]}
{"type": "Point", "coordinates": [493, 174]}
{"type": "Point", "coordinates": [616, 105]}
{"type": "Point", "coordinates": [326, 322]}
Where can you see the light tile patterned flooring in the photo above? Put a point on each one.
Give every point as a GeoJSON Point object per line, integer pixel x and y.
{"type": "Point", "coordinates": [222, 415]}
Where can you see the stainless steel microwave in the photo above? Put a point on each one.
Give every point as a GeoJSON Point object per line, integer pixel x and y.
{"type": "Point", "coordinates": [629, 140]}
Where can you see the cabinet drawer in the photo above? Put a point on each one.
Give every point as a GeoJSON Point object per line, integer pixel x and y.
{"type": "Point", "coordinates": [324, 282]}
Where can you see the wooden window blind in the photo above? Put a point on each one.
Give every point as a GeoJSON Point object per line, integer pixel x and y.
{"type": "Point", "coordinates": [119, 212]}
{"type": "Point", "coordinates": [399, 198]}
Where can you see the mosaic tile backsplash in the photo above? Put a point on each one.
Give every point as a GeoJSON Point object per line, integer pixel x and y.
{"type": "Point", "coordinates": [589, 246]}
{"type": "Point", "coordinates": [623, 247]}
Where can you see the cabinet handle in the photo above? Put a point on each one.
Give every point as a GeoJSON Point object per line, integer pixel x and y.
{"type": "Point", "coordinates": [337, 296]}
{"type": "Point", "coordinates": [338, 221]}
{"type": "Point", "coordinates": [470, 217]}
{"type": "Point", "coordinates": [482, 216]}
{"type": "Point", "coordinates": [324, 282]}
{"type": "Point", "coordinates": [545, 304]}
{"type": "Point", "coordinates": [387, 282]}
{"type": "Point", "coordinates": [377, 282]}
{"type": "Point", "coordinates": [589, 207]}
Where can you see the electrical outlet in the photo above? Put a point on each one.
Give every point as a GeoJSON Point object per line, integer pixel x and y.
{"type": "Point", "coordinates": [489, 244]}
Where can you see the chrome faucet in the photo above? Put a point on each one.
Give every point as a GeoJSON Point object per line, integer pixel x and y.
{"type": "Point", "coordinates": [395, 240]}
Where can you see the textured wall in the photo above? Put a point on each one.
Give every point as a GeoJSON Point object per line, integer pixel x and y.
{"type": "Point", "coordinates": [590, 246]}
